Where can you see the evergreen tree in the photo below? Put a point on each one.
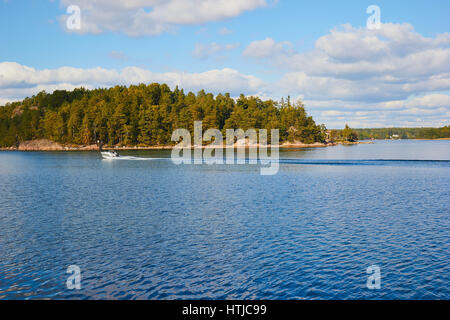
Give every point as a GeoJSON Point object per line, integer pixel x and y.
{"type": "Point", "coordinates": [146, 115]}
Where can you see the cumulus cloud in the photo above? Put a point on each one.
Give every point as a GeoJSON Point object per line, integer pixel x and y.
{"type": "Point", "coordinates": [394, 50]}
{"type": "Point", "coordinates": [389, 76]}
{"type": "Point", "coordinates": [393, 62]}
{"type": "Point", "coordinates": [368, 78]}
{"type": "Point", "coordinates": [430, 101]}
{"type": "Point", "coordinates": [267, 48]}
{"type": "Point", "coordinates": [18, 81]}
{"type": "Point", "coordinates": [390, 41]}
{"type": "Point", "coordinates": [204, 51]}
{"type": "Point", "coordinates": [152, 17]}
{"type": "Point", "coordinates": [364, 89]}
{"type": "Point", "coordinates": [427, 110]}
{"type": "Point", "coordinates": [4, 101]}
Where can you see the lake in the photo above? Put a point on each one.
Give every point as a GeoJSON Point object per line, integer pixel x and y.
{"type": "Point", "coordinates": [153, 230]}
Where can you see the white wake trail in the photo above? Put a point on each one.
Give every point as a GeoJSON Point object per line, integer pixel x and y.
{"type": "Point", "coordinates": [132, 158]}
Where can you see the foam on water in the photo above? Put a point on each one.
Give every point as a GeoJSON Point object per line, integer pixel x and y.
{"type": "Point", "coordinates": [132, 158]}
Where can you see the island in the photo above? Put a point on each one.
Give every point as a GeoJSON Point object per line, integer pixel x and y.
{"type": "Point", "coordinates": [144, 117]}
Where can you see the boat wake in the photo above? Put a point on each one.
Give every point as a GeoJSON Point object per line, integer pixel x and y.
{"type": "Point", "coordinates": [314, 162]}
{"type": "Point", "coordinates": [131, 158]}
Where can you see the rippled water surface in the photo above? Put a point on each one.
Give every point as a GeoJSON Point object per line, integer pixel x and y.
{"type": "Point", "coordinates": [154, 230]}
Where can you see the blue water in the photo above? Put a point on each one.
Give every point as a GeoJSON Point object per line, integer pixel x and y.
{"type": "Point", "coordinates": [153, 230]}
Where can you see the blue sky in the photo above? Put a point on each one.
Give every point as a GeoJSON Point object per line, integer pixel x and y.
{"type": "Point", "coordinates": [397, 75]}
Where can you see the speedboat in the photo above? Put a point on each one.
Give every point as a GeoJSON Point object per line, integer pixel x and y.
{"type": "Point", "coordinates": [110, 154]}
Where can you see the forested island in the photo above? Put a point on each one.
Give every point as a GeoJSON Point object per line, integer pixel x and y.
{"type": "Point", "coordinates": [146, 115]}
{"type": "Point", "coordinates": [404, 133]}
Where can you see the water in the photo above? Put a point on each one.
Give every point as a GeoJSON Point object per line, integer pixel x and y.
{"type": "Point", "coordinates": [153, 230]}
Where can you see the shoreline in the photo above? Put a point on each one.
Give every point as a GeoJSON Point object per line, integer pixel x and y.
{"type": "Point", "coordinates": [87, 148]}
{"type": "Point", "coordinates": [47, 145]}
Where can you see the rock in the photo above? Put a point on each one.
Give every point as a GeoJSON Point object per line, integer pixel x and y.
{"type": "Point", "coordinates": [40, 145]}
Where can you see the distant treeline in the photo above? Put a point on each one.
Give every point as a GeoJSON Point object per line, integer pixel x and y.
{"type": "Point", "coordinates": [345, 135]}
{"type": "Point", "coordinates": [146, 115]}
{"type": "Point", "coordinates": [404, 133]}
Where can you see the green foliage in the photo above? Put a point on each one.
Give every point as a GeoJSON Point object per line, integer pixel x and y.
{"type": "Point", "coordinates": [345, 135]}
{"type": "Point", "coordinates": [146, 115]}
{"type": "Point", "coordinates": [404, 133]}
{"type": "Point", "coordinates": [349, 134]}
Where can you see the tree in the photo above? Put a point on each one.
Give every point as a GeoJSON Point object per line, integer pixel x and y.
{"type": "Point", "coordinates": [147, 115]}
{"type": "Point", "coordinates": [349, 134]}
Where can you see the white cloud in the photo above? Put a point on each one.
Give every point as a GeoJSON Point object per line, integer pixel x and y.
{"type": "Point", "coordinates": [14, 75]}
{"type": "Point", "coordinates": [267, 48]}
{"type": "Point", "coordinates": [427, 110]}
{"type": "Point", "coordinates": [430, 101]}
{"type": "Point", "coordinates": [4, 101]}
{"type": "Point", "coordinates": [365, 89]}
{"type": "Point", "coordinates": [18, 81]}
{"type": "Point", "coordinates": [388, 77]}
{"type": "Point", "coordinates": [391, 40]}
{"type": "Point", "coordinates": [204, 51]}
{"type": "Point", "coordinates": [152, 17]}
{"type": "Point", "coordinates": [357, 64]}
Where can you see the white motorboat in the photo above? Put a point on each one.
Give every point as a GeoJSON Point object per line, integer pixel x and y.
{"type": "Point", "coordinates": [109, 154]}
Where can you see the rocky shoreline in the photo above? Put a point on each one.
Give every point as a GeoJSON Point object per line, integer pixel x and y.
{"type": "Point", "coordinates": [48, 145]}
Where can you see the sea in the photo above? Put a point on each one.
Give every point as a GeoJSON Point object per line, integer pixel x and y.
{"type": "Point", "coordinates": [367, 221]}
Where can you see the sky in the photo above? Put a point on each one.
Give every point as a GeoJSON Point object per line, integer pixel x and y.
{"type": "Point", "coordinates": [322, 52]}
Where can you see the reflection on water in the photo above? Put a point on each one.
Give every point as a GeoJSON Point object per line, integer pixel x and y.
{"type": "Point", "coordinates": [153, 230]}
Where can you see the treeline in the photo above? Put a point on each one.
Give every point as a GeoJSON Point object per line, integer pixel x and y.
{"type": "Point", "coordinates": [404, 133]}
{"type": "Point", "coordinates": [146, 115]}
{"type": "Point", "coordinates": [345, 135]}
